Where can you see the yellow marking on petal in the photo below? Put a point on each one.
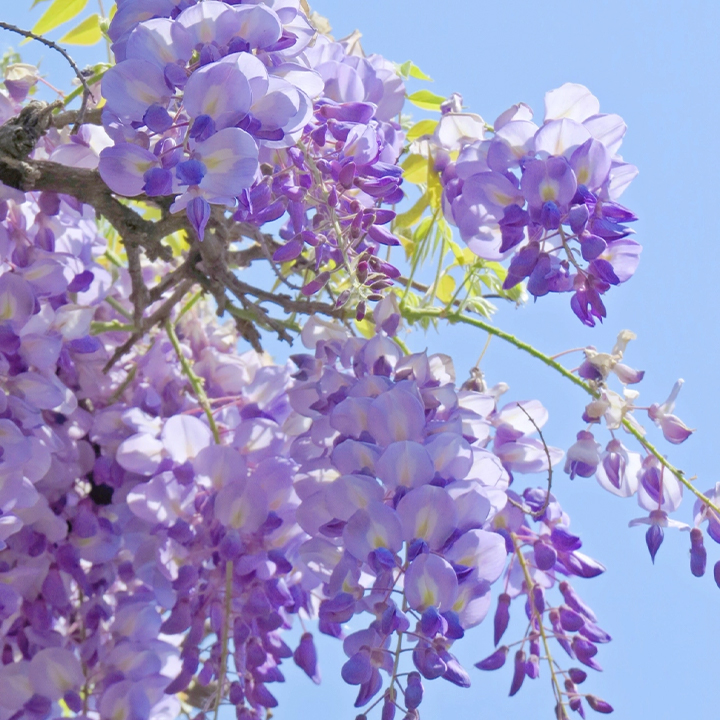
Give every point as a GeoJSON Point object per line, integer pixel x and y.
{"type": "Point", "coordinates": [378, 542]}
{"type": "Point", "coordinates": [238, 518]}
{"type": "Point", "coordinates": [424, 527]}
{"type": "Point", "coordinates": [7, 306]}
{"type": "Point", "coordinates": [428, 597]}
{"type": "Point", "coordinates": [502, 198]}
{"type": "Point", "coordinates": [583, 175]}
{"type": "Point", "coordinates": [547, 191]}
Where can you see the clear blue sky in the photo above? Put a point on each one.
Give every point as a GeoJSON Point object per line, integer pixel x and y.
{"type": "Point", "coordinates": [657, 64]}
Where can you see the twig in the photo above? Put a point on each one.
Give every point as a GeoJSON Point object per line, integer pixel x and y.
{"type": "Point", "coordinates": [255, 233]}
{"type": "Point", "coordinates": [86, 88]}
{"type": "Point", "coordinates": [415, 313]}
{"type": "Point", "coordinates": [195, 381]}
{"type": "Point", "coordinates": [159, 316]}
{"type": "Point", "coordinates": [538, 616]}
{"type": "Point", "coordinates": [537, 515]}
{"type": "Point", "coordinates": [138, 296]}
{"type": "Point", "coordinates": [63, 119]}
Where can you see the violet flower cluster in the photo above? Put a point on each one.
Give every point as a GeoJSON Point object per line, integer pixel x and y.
{"type": "Point", "coordinates": [147, 569]}
{"type": "Point", "coordinates": [546, 197]}
{"type": "Point", "coordinates": [404, 491]}
{"type": "Point", "coordinates": [232, 104]}
{"type": "Point", "coordinates": [160, 528]}
{"type": "Point", "coordinates": [114, 550]}
{"type": "Point", "coordinates": [625, 473]}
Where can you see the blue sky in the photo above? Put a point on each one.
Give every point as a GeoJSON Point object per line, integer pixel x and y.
{"type": "Point", "coordinates": [656, 64]}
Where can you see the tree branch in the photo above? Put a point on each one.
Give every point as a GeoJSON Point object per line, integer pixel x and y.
{"type": "Point", "coordinates": [86, 88]}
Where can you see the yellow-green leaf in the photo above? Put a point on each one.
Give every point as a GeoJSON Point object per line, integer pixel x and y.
{"type": "Point", "coordinates": [37, 2]}
{"type": "Point", "coordinates": [424, 127]}
{"type": "Point", "coordinates": [415, 169]}
{"type": "Point", "coordinates": [58, 13]}
{"type": "Point", "coordinates": [365, 327]}
{"type": "Point", "coordinates": [418, 74]}
{"type": "Point", "coordinates": [411, 216]}
{"type": "Point", "coordinates": [445, 288]}
{"type": "Point", "coordinates": [410, 69]}
{"type": "Point", "coordinates": [86, 33]}
{"type": "Point", "coordinates": [434, 188]}
{"type": "Point", "coordinates": [425, 99]}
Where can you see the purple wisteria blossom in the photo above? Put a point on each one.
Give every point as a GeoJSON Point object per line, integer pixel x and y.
{"type": "Point", "coordinates": [545, 196]}
{"type": "Point", "coordinates": [227, 104]}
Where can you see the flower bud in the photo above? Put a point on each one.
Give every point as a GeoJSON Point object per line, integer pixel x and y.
{"type": "Point", "coordinates": [494, 661]}
{"type": "Point", "coordinates": [653, 538]}
{"type": "Point", "coordinates": [502, 616]}
{"type": "Point", "coordinates": [413, 691]}
{"type": "Point", "coordinates": [519, 674]}
{"type": "Point", "coordinates": [599, 705]}
{"type": "Point", "coordinates": [698, 554]}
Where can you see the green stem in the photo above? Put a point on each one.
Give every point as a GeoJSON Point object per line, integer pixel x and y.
{"type": "Point", "coordinates": [97, 328]}
{"type": "Point", "coordinates": [416, 257]}
{"type": "Point", "coordinates": [225, 633]}
{"type": "Point", "coordinates": [195, 381]}
{"type": "Point", "coordinates": [78, 91]}
{"type": "Point", "coordinates": [115, 305]}
{"type": "Point", "coordinates": [438, 272]}
{"type": "Point", "coordinates": [529, 584]}
{"type": "Point", "coordinates": [455, 317]}
{"type": "Point", "coordinates": [189, 304]}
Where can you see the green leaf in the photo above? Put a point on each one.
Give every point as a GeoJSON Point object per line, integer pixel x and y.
{"type": "Point", "coordinates": [410, 69]}
{"type": "Point", "coordinates": [86, 33]}
{"type": "Point", "coordinates": [418, 74]}
{"type": "Point", "coordinates": [415, 169]}
{"type": "Point", "coordinates": [37, 2]}
{"type": "Point", "coordinates": [424, 127]}
{"type": "Point", "coordinates": [445, 288]}
{"type": "Point", "coordinates": [411, 216]}
{"type": "Point", "coordinates": [425, 99]}
{"type": "Point", "coordinates": [58, 13]}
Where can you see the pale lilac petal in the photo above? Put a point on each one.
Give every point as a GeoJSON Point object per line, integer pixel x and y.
{"type": "Point", "coordinates": [219, 90]}
{"type": "Point", "coordinates": [140, 453]}
{"type": "Point", "coordinates": [621, 175]}
{"type": "Point", "coordinates": [242, 509]}
{"type": "Point", "coordinates": [570, 101]}
{"type": "Point", "coordinates": [560, 137]}
{"type": "Point", "coordinates": [608, 129]}
{"type": "Point", "coordinates": [210, 21]}
{"type": "Point", "coordinates": [231, 159]}
{"type": "Point", "coordinates": [405, 463]}
{"type": "Point", "coordinates": [132, 86]}
{"type": "Point", "coordinates": [428, 513]}
{"type": "Point", "coordinates": [160, 41]}
{"type": "Point", "coordinates": [184, 436]}
{"type": "Point", "coordinates": [253, 69]}
{"type": "Point", "coordinates": [492, 190]}
{"type": "Point", "coordinates": [122, 168]}
{"type": "Point", "coordinates": [376, 527]}
{"type": "Point", "coordinates": [352, 456]}
{"type": "Point", "coordinates": [54, 671]}
{"type": "Point", "coordinates": [349, 493]}
{"type": "Point", "coordinates": [218, 465]}
{"type": "Point", "coordinates": [396, 415]}
{"type": "Point", "coordinates": [484, 551]}
{"type": "Point", "coordinates": [260, 26]}
{"type": "Point", "coordinates": [591, 164]}
{"type": "Point", "coordinates": [451, 454]}
{"type": "Point", "coordinates": [17, 300]}
{"type": "Point", "coordinates": [430, 581]}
